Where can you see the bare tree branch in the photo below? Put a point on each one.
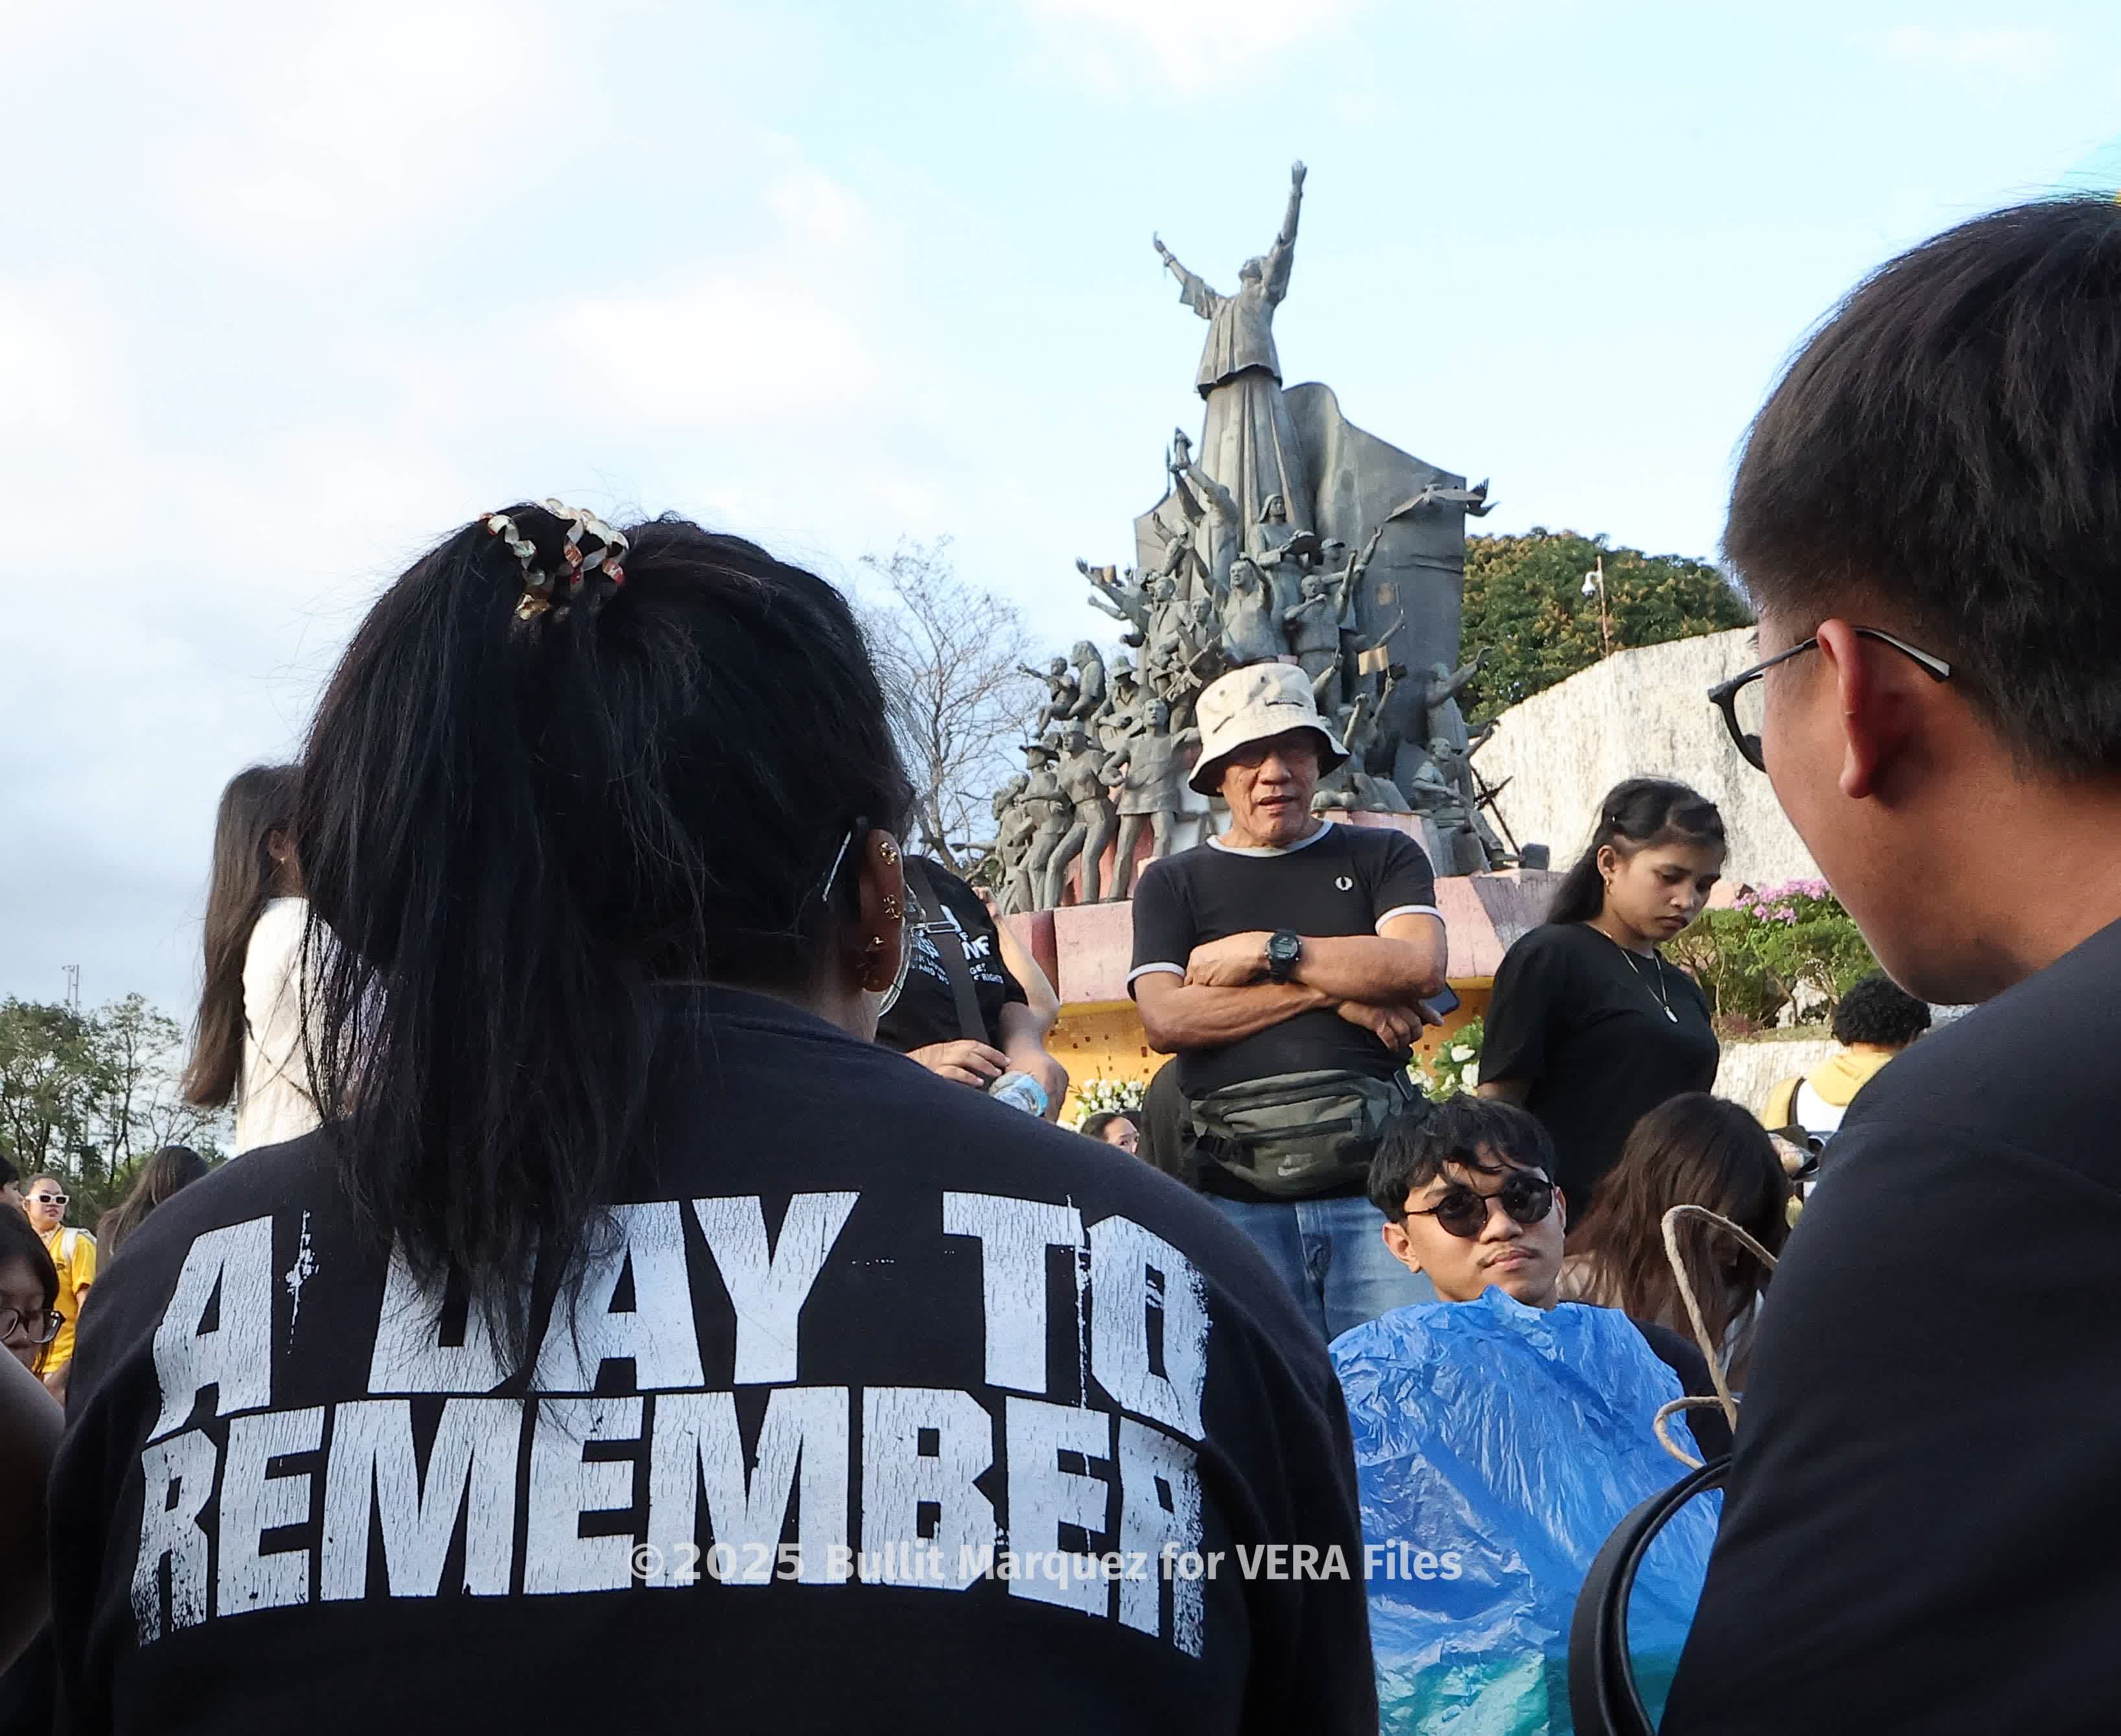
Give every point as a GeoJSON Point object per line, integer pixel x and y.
{"type": "Point", "coordinates": [949, 655]}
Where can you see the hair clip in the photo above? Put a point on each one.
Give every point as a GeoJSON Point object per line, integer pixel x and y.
{"type": "Point", "coordinates": [576, 564]}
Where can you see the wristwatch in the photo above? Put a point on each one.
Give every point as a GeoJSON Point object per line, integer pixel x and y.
{"type": "Point", "coordinates": [1285, 947]}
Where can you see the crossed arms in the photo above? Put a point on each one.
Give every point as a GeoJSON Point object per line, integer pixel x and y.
{"type": "Point", "coordinates": [1371, 980]}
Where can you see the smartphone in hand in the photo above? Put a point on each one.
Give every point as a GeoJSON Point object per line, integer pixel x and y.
{"type": "Point", "coordinates": [1439, 1006]}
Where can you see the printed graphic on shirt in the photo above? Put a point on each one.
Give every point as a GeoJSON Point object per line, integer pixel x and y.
{"type": "Point", "coordinates": [1076, 1485]}
{"type": "Point", "coordinates": [979, 954]}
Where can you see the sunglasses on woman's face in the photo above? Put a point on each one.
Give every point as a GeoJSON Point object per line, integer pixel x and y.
{"type": "Point", "coordinates": [1463, 1212]}
{"type": "Point", "coordinates": [50, 1199]}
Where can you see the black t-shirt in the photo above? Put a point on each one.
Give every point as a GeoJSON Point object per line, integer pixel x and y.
{"type": "Point", "coordinates": [1339, 880]}
{"type": "Point", "coordinates": [926, 1012]}
{"type": "Point", "coordinates": [1918, 1530]}
{"type": "Point", "coordinates": [853, 1329]}
{"type": "Point", "coordinates": [1583, 1021]}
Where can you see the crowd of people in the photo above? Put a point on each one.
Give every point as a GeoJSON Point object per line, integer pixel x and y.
{"type": "Point", "coordinates": [650, 1240]}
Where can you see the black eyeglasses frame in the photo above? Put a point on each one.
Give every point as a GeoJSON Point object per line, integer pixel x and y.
{"type": "Point", "coordinates": [1724, 695]}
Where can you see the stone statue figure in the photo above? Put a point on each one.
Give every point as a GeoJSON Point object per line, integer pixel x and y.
{"type": "Point", "coordinates": [1059, 691]}
{"type": "Point", "coordinates": [1090, 830]}
{"type": "Point", "coordinates": [1250, 632]}
{"type": "Point", "coordinates": [1248, 443]}
{"type": "Point", "coordinates": [1435, 713]}
{"type": "Point", "coordinates": [1149, 773]}
{"type": "Point", "coordinates": [1213, 509]}
{"type": "Point", "coordinates": [1314, 629]}
{"type": "Point", "coordinates": [1051, 812]}
{"type": "Point", "coordinates": [1121, 599]}
{"type": "Point", "coordinates": [1120, 716]}
{"type": "Point", "coordinates": [1014, 823]}
{"type": "Point", "coordinates": [1347, 786]}
{"type": "Point", "coordinates": [1089, 669]}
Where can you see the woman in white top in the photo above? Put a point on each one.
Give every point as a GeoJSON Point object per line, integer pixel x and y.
{"type": "Point", "coordinates": [249, 1044]}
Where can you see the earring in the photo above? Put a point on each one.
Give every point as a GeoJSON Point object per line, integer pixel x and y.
{"type": "Point", "coordinates": [891, 910]}
{"type": "Point", "coordinates": [889, 851]}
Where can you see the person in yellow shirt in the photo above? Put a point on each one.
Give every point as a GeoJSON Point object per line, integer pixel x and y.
{"type": "Point", "coordinates": [1875, 1021]}
{"type": "Point", "coordinates": [73, 1253]}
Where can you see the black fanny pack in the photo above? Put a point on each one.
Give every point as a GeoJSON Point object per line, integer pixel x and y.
{"type": "Point", "coordinates": [1298, 1134]}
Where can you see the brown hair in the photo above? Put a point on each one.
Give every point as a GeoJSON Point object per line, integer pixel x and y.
{"type": "Point", "coordinates": [1694, 1150]}
{"type": "Point", "coordinates": [257, 803]}
{"type": "Point", "coordinates": [169, 1169]}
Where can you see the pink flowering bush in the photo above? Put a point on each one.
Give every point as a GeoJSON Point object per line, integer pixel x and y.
{"type": "Point", "coordinates": [1790, 942]}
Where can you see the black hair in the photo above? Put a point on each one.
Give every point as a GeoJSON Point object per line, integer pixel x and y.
{"type": "Point", "coordinates": [1417, 1144]}
{"type": "Point", "coordinates": [258, 802]}
{"type": "Point", "coordinates": [20, 1240]}
{"type": "Point", "coordinates": [10, 1176]}
{"type": "Point", "coordinates": [1093, 1126]}
{"type": "Point", "coordinates": [1877, 1010]}
{"type": "Point", "coordinates": [169, 1170]}
{"type": "Point", "coordinates": [518, 822]}
{"type": "Point", "coordinates": [1948, 447]}
{"type": "Point", "coordinates": [1635, 815]}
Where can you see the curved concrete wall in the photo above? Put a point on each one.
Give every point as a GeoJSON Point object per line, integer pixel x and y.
{"type": "Point", "coordinates": [1639, 713]}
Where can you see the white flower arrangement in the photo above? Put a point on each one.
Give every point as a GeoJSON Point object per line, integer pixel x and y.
{"type": "Point", "coordinates": [1454, 1067]}
{"type": "Point", "coordinates": [1100, 1096]}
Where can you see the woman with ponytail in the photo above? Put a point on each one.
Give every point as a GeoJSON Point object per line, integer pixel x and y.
{"type": "Point", "coordinates": [632, 1304]}
{"type": "Point", "coordinates": [1588, 1026]}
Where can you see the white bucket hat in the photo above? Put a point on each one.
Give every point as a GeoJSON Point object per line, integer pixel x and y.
{"type": "Point", "coordinates": [1255, 704]}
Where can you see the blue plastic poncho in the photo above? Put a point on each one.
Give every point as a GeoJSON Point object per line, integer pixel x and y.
{"type": "Point", "coordinates": [1497, 1446]}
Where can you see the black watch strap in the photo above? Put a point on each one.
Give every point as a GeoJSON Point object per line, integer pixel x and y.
{"type": "Point", "coordinates": [1284, 948]}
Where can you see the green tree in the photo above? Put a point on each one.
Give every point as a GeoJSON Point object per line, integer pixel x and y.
{"type": "Point", "coordinates": [89, 1096]}
{"type": "Point", "coordinates": [1524, 606]}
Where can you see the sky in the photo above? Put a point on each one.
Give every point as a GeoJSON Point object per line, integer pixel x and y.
{"type": "Point", "coordinates": [288, 292]}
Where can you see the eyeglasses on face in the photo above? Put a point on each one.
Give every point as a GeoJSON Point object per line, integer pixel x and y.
{"type": "Point", "coordinates": [1464, 1212]}
{"type": "Point", "coordinates": [39, 1325]}
{"type": "Point", "coordinates": [50, 1199]}
{"type": "Point", "coordinates": [1741, 701]}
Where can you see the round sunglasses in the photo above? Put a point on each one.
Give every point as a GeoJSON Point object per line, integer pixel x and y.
{"type": "Point", "coordinates": [1463, 1212]}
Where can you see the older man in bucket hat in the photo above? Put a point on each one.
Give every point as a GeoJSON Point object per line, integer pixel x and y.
{"type": "Point", "coordinates": [1282, 963]}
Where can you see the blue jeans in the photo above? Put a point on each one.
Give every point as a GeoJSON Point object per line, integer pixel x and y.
{"type": "Point", "coordinates": [1332, 1254]}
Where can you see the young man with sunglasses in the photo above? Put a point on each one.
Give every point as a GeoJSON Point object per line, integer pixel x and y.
{"type": "Point", "coordinates": [1927, 517]}
{"type": "Point", "coordinates": [1469, 1200]}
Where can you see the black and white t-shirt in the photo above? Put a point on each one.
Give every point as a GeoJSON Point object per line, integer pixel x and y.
{"type": "Point", "coordinates": [882, 1404]}
{"type": "Point", "coordinates": [1585, 1023]}
{"type": "Point", "coordinates": [1339, 880]}
{"type": "Point", "coordinates": [926, 1010]}
{"type": "Point", "coordinates": [1917, 1527]}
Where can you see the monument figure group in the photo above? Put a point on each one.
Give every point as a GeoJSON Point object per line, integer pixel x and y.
{"type": "Point", "coordinates": [1286, 535]}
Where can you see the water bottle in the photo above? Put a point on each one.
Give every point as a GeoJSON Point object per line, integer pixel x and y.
{"type": "Point", "coordinates": [1019, 1091]}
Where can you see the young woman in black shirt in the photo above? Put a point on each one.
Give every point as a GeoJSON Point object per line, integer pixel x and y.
{"type": "Point", "coordinates": [632, 1303]}
{"type": "Point", "coordinates": [1589, 1027]}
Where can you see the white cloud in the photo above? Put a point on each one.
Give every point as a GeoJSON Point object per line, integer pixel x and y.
{"type": "Point", "coordinates": [329, 125]}
{"type": "Point", "coordinates": [1187, 46]}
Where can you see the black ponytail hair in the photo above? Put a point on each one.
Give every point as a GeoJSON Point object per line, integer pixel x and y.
{"type": "Point", "coordinates": [1635, 815]}
{"type": "Point", "coordinates": [516, 822]}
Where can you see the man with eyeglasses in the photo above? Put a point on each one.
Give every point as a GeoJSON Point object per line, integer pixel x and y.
{"type": "Point", "coordinates": [1927, 518]}
{"type": "Point", "coordinates": [73, 1253]}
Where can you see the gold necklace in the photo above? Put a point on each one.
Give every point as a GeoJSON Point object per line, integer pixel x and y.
{"type": "Point", "coordinates": [1657, 989]}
